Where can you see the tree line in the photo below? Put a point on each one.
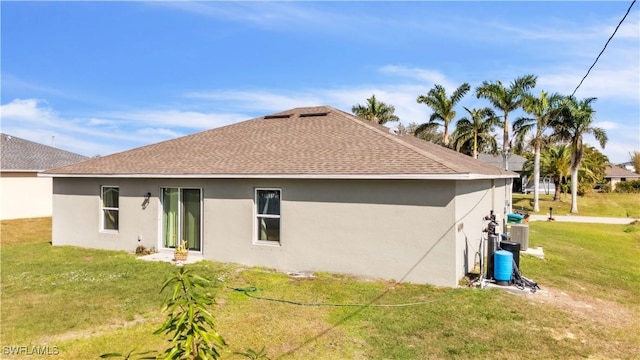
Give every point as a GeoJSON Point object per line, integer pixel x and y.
{"type": "Point", "coordinates": [550, 136]}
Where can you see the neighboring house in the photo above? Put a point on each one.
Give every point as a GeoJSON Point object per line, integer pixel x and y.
{"type": "Point", "coordinates": [627, 165]}
{"type": "Point", "coordinates": [308, 189]}
{"type": "Point", "coordinates": [614, 175]}
{"type": "Point", "coordinates": [22, 193]}
{"type": "Point", "coordinates": [515, 164]}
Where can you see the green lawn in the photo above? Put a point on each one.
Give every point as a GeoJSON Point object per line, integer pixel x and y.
{"type": "Point", "coordinates": [87, 302]}
{"type": "Point", "coordinates": [593, 204]}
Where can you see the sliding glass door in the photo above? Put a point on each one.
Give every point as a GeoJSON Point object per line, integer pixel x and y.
{"type": "Point", "coordinates": [182, 217]}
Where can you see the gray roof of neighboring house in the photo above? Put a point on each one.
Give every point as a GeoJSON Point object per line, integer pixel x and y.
{"type": "Point", "coordinates": [311, 142]}
{"type": "Point", "coordinates": [516, 162]}
{"type": "Point", "coordinates": [618, 172]}
{"type": "Point", "coordinates": [17, 154]}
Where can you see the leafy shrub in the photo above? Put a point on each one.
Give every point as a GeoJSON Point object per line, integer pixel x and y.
{"type": "Point", "coordinates": [628, 187]}
{"type": "Point", "coordinates": [141, 250]}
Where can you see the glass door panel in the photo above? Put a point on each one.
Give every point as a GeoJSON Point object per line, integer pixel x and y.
{"type": "Point", "coordinates": [181, 217]}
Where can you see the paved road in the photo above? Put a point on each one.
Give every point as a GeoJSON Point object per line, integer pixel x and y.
{"type": "Point", "coordinates": [582, 219]}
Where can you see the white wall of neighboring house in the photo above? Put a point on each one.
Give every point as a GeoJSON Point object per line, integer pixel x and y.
{"type": "Point", "coordinates": [24, 195]}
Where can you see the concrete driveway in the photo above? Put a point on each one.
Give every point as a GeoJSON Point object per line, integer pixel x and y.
{"type": "Point", "coordinates": [583, 219]}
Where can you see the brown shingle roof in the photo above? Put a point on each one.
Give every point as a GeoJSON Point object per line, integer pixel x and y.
{"type": "Point", "coordinates": [618, 172]}
{"type": "Point", "coordinates": [313, 141]}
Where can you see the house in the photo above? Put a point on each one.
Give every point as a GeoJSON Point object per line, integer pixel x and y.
{"type": "Point", "coordinates": [614, 175]}
{"type": "Point", "coordinates": [22, 193]}
{"type": "Point", "coordinates": [627, 165]}
{"type": "Point", "coordinates": [308, 189]}
{"type": "Point", "coordinates": [515, 163]}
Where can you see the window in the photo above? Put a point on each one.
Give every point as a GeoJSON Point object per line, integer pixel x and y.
{"type": "Point", "coordinates": [110, 208]}
{"type": "Point", "coordinates": [268, 215]}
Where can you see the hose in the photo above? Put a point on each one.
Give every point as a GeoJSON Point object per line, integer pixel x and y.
{"type": "Point", "coordinates": [248, 291]}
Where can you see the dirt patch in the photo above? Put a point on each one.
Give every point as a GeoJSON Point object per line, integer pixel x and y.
{"type": "Point", "coordinates": [590, 308]}
{"type": "Point", "coordinates": [94, 331]}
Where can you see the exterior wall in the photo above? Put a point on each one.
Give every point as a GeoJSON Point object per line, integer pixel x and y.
{"type": "Point", "coordinates": [393, 230]}
{"type": "Point", "coordinates": [402, 230]}
{"type": "Point", "coordinates": [473, 202]}
{"type": "Point", "coordinates": [76, 214]}
{"type": "Point", "coordinates": [24, 195]}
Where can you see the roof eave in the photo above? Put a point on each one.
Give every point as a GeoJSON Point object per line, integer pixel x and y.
{"type": "Point", "coordinates": [459, 176]}
{"type": "Point", "coordinates": [22, 170]}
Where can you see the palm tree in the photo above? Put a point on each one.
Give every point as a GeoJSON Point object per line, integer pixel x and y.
{"type": "Point", "coordinates": [555, 162]}
{"type": "Point", "coordinates": [375, 111]}
{"type": "Point", "coordinates": [506, 99]}
{"type": "Point", "coordinates": [443, 108]}
{"type": "Point", "coordinates": [593, 168]}
{"type": "Point", "coordinates": [431, 135]}
{"type": "Point", "coordinates": [544, 110]}
{"type": "Point", "coordinates": [575, 121]}
{"type": "Point", "coordinates": [476, 129]}
{"type": "Point", "coordinates": [635, 160]}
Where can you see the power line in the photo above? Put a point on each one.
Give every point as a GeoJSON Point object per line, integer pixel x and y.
{"type": "Point", "coordinates": [605, 46]}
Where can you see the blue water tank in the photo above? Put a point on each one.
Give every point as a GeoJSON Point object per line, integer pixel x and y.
{"type": "Point", "coordinates": [503, 265]}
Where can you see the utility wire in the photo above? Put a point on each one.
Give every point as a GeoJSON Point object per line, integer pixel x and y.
{"type": "Point", "coordinates": [605, 46]}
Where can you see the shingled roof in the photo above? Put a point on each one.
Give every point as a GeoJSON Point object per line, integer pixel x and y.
{"type": "Point", "coordinates": [618, 172]}
{"type": "Point", "coordinates": [22, 155]}
{"type": "Point", "coordinates": [311, 142]}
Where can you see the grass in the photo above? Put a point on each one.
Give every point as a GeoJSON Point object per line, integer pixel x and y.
{"type": "Point", "coordinates": [88, 302]}
{"type": "Point", "coordinates": [590, 259]}
{"type": "Point", "coordinates": [592, 204]}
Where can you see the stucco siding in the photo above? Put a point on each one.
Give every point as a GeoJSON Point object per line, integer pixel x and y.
{"type": "Point", "coordinates": [25, 196]}
{"type": "Point", "coordinates": [373, 228]}
{"type": "Point", "coordinates": [403, 230]}
{"type": "Point", "coordinates": [76, 214]}
{"type": "Point", "coordinates": [473, 202]}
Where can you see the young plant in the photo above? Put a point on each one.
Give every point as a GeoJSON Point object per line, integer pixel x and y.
{"type": "Point", "coordinates": [254, 355]}
{"type": "Point", "coordinates": [189, 323]}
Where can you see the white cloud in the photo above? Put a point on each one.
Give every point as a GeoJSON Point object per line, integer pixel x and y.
{"type": "Point", "coordinates": [176, 118]}
{"type": "Point", "coordinates": [606, 125]}
{"type": "Point", "coordinates": [35, 120]}
{"type": "Point", "coordinates": [620, 83]}
{"type": "Point", "coordinates": [167, 133]}
{"type": "Point", "coordinates": [100, 122]}
{"type": "Point", "coordinates": [430, 77]}
{"type": "Point", "coordinates": [259, 100]}
{"type": "Point", "coordinates": [32, 110]}
{"type": "Point", "coordinates": [268, 14]}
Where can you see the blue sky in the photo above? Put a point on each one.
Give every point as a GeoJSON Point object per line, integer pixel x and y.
{"type": "Point", "coordinates": [103, 77]}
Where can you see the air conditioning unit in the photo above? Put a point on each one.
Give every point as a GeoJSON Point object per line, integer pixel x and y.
{"type": "Point", "coordinates": [520, 233]}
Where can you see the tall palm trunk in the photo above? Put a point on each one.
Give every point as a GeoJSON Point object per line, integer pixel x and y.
{"type": "Point", "coordinates": [536, 178]}
{"type": "Point", "coordinates": [446, 135]}
{"type": "Point", "coordinates": [505, 135]}
{"type": "Point", "coordinates": [574, 189]}
{"type": "Point", "coordinates": [576, 159]}
{"type": "Point", "coordinates": [556, 195]}
{"type": "Point", "coordinates": [475, 145]}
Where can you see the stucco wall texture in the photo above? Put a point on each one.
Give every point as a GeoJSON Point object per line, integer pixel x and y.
{"type": "Point", "coordinates": [420, 231]}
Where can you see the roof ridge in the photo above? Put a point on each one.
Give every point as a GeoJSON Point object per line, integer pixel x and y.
{"type": "Point", "coordinates": [399, 141]}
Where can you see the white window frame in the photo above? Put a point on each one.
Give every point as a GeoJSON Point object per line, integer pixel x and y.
{"type": "Point", "coordinates": [257, 215]}
{"type": "Point", "coordinates": [103, 208]}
